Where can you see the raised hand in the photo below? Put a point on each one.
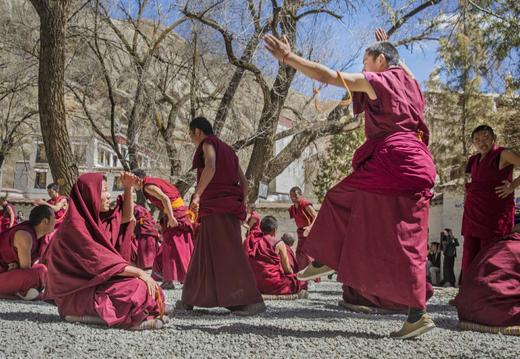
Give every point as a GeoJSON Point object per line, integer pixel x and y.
{"type": "Point", "coordinates": [128, 179]}
{"type": "Point", "coordinates": [381, 34]}
{"type": "Point", "coordinates": [279, 48]}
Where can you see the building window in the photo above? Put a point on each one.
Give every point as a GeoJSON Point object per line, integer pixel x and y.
{"type": "Point", "coordinates": [40, 181]}
{"type": "Point", "coordinates": [114, 161]}
{"type": "Point", "coordinates": [118, 186]}
{"type": "Point", "coordinates": [41, 155]}
{"type": "Point", "coordinates": [103, 157]}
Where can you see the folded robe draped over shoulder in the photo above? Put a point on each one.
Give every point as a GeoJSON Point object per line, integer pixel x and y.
{"type": "Point", "coordinates": [372, 226]}
{"type": "Point", "coordinates": [85, 257]}
{"type": "Point", "coordinates": [490, 291]}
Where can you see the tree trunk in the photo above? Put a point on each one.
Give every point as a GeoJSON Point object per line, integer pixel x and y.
{"type": "Point", "coordinates": [53, 27]}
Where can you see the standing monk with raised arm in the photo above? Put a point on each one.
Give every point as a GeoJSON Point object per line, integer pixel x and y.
{"type": "Point", "coordinates": [219, 273]}
{"type": "Point", "coordinates": [372, 226]}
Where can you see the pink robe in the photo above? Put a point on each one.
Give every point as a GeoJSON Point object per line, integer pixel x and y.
{"type": "Point", "coordinates": [86, 255]}
{"type": "Point", "coordinates": [267, 267]}
{"type": "Point", "coordinates": [147, 237]}
{"type": "Point", "coordinates": [490, 291]}
{"type": "Point", "coordinates": [487, 217]}
{"type": "Point", "coordinates": [19, 280]}
{"type": "Point", "coordinates": [219, 274]}
{"type": "Point", "coordinates": [372, 226]}
{"type": "Point", "coordinates": [177, 245]}
{"type": "Point", "coordinates": [302, 218]}
{"type": "Point", "coordinates": [5, 218]}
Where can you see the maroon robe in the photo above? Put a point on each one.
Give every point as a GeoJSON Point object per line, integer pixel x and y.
{"type": "Point", "coordinates": [177, 244]}
{"type": "Point", "coordinates": [302, 218]}
{"type": "Point", "coordinates": [5, 217]}
{"type": "Point", "coordinates": [490, 291]}
{"type": "Point", "coordinates": [86, 255]}
{"type": "Point", "coordinates": [267, 266]}
{"type": "Point", "coordinates": [147, 237]}
{"type": "Point", "coordinates": [219, 274]}
{"type": "Point", "coordinates": [256, 226]}
{"type": "Point", "coordinates": [487, 217]}
{"type": "Point", "coordinates": [19, 280]}
{"type": "Point", "coordinates": [372, 226]}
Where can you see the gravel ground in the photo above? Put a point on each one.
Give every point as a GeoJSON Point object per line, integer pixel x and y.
{"type": "Point", "coordinates": [311, 328]}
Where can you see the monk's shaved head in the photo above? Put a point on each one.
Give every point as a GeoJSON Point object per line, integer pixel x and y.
{"type": "Point", "coordinates": [296, 190]}
{"type": "Point", "coordinates": [202, 124]}
{"type": "Point", "coordinates": [39, 213]}
{"type": "Point", "coordinates": [483, 128]}
{"type": "Point", "coordinates": [268, 225]}
{"type": "Point", "coordinates": [384, 48]}
{"type": "Point", "coordinates": [289, 239]}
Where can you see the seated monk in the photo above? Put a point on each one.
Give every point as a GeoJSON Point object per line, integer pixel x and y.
{"type": "Point", "coordinates": [7, 215]}
{"type": "Point", "coordinates": [90, 278]}
{"type": "Point", "coordinates": [289, 239]}
{"type": "Point", "coordinates": [252, 222]}
{"type": "Point", "coordinates": [490, 292]}
{"type": "Point", "coordinates": [270, 263]}
{"type": "Point", "coordinates": [20, 275]}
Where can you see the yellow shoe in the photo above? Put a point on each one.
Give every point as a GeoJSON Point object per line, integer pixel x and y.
{"type": "Point", "coordinates": [312, 272]}
{"type": "Point", "coordinates": [413, 330]}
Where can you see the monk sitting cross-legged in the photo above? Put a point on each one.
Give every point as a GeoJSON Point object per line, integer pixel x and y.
{"type": "Point", "coordinates": [269, 260]}
{"type": "Point", "coordinates": [90, 276]}
{"type": "Point", "coordinates": [20, 277]}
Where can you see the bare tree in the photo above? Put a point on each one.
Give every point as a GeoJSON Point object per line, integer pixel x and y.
{"type": "Point", "coordinates": [54, 17]}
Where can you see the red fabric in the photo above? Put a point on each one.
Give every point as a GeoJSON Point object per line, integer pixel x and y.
{"type": "Point", "coordinates": [219, 274]}
{"type": "Point", "coordinates": [486, 216]}
{"type": "Point", "coordinates": [146, 236]}
{"type": "Point", "coordinates": [87, 253]}
{"type": "Point", "coordinates": [8, 252]}
{"type": "Point", "coordinates": [5, 218]}
{"type": "Point", "coordinates": [490, 291]}
{"type": "Point", "coordinates": [177, 243]}
{"type": "Point", "coordinates": [372, 226]}
{"type": "Point", "coordinates": [21, 280]}
{"type": "Point", "coordinates": [267, 267]}
{"type": "Point", "coordinates": [256, 226]}
{"type": "Point", "coordinates": [399, 97]}
{"type": "Point", "coordinates": [352, 296]}
{"type": "Point", "coordinates": [223, 194]}
{"type": "Point", "coordinates": [60, 215]}
{"type": "Point", "coordinates": [300, 213]}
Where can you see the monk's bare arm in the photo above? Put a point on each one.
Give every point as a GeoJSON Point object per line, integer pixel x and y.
{"type": "Point", "coordinates": [210, 159]}
{"type": "Point", "coordinates": [284, 257]}
{"type": "Point", "coordinates": [280, 49]}
{"type": "Point", "coordinates": [156, 192]}
{"type": "Point", "coordinates": [312, 213]}
{"type": "Point", "coordinates": [23, 243]}
{"type": "Point", "coordinates": [12, 216]}
{"type": "Point", "coordinates": [244, 183]}
{"type": "Point", "coordinates": [128, 205]}
{"type": "Point", "coordinates": [511, 158]}
{"type": "Point", "coordinates": [131, 271]}
{"type": "Point", "coordinates": [56, 207]}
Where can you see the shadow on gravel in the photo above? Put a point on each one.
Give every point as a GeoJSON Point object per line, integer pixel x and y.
{"type": "Point", "coordinates": [271, 331]}
{"type": "Point", "coordinates": [440, 308]}
{"type": "Point", "coordinates": [30, 316]}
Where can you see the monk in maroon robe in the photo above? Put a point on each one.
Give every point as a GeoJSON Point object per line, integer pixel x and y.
{"type": "Point", "coordinates": [89, 275]}
{"type": "Point", "coordinates": [489, 206]}
{"type": "Point", "coordinates": [146, 236]}
{"type": "Point", "coordinates": [372, 226]}
{"type": "Point", "coordinates": [304, 215]}
{"type": "Point", "coordinates": [490, 291]}
{"type": "Point", "coordinates": [252, 222]}
{"type": "Point", "coordinates": [176, 228]}
{"type": "Point", "coordinates": [20, 275]}
{"type": "Point", "coordinates": [219, 274]}
{"type": "Point", "coordinates": [270, 262]}
{"type": "Point", "coordinates": [7, 215]}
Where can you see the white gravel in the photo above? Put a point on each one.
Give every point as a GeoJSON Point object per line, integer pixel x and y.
{"type": "Point", "coordinates": [312, 328]}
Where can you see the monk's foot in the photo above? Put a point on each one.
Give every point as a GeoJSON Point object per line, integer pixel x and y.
{"type": "Point", "coordinates": [356, 308]}
{"type": "Point", "coordinates": [167, 285]}
{"type": "Point", "coordinates": [251, 309]}
{"type": "Point", "coordinates": [180, 305]}
{"type": "Point", "coordinates": [151, 324]}
{"type": "Point", "coordinates": [413, 330]}
{"type": "Point", "coordinates": [85, 319]}
{"type": "Point", "coordinates": [165, 319]}
{"type": "Point", "coordinates": [303, 294]}
{"type": "Point", "coordinates": [31, 294]}
{"type": "Point", "coordinates": [451, 302]}
{"type": "Point", "coordinates": [169, 309]}
{"type": "Point", "coordinates": [313, 272]}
